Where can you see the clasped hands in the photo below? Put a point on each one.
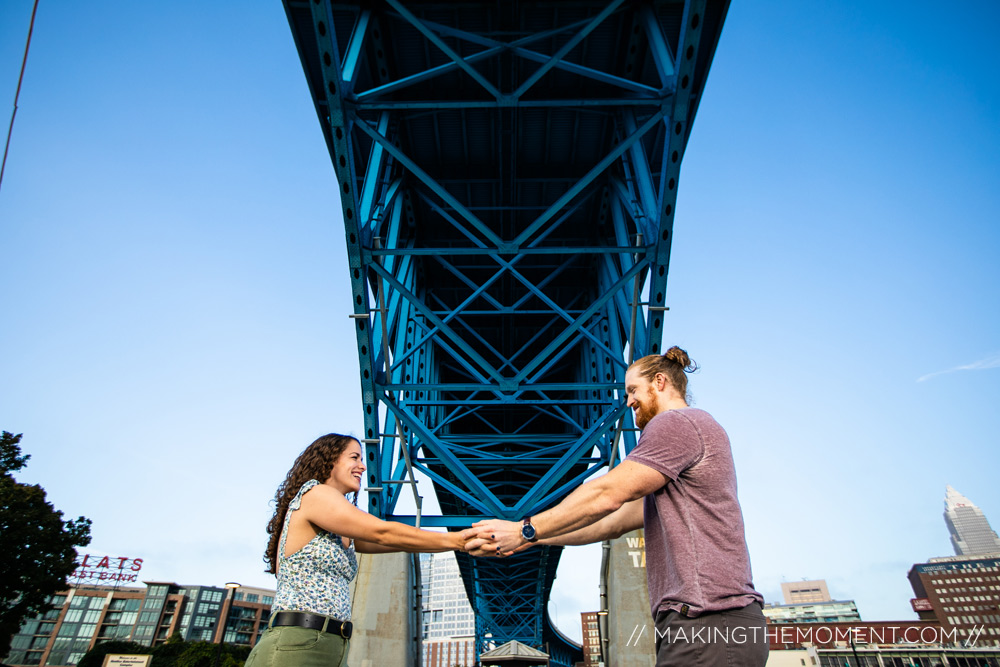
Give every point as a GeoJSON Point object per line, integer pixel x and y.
{"type": "Point", "coordinates": [495, 537]}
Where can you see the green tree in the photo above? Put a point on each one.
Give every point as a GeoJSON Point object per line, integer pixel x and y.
{"type": "Point", "coordinates": [198, 654]}
{"type": "Point", "coordinates": [166, 654]}
{"type": "Point", "coordinates": [205, 654]}
{"type": "Point", "coordinates": [37, 548]}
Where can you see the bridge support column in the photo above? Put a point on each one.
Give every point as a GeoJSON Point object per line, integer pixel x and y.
{"type": "Point", "coordinates": [630, 627]}
{"type": "Point", "coordinates": [386, 626]}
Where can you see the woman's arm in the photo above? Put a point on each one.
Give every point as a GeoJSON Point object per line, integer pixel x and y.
{"type": "Point", "coordinates": [326, 508]}
{"type": "Point", "coordinates": [363, 547]}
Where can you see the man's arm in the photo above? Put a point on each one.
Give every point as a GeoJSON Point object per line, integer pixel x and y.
{"type": "Point", "coordinates": [626, 518]}
{"type": "Point", "coordinates": [587, 505]}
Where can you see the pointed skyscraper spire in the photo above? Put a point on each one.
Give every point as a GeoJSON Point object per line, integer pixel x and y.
{"type": "Point", "coordinates": [971, 533]}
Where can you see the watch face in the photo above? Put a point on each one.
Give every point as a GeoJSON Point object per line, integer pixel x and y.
{"type": "Point", "coordinates": [528, 532]}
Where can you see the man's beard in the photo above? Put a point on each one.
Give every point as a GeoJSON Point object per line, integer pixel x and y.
{"type": "Point", "coordinates": [644, 412]}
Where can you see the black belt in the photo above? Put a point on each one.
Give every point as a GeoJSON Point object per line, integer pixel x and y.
{"type": "Point", "coordinates": [302, 619]}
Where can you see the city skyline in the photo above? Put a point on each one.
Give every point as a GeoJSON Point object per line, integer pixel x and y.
{"type": "Point", "coordinates": [177, 292]}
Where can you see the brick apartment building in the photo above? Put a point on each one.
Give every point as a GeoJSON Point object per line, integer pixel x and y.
{"type": "Point", "coordinates": [962, 593]}
{"type": "Point", "coordinates": [83, 616]}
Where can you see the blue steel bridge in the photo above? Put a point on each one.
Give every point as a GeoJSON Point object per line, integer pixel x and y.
{"type": "Point", "coordinates": [508, 174]}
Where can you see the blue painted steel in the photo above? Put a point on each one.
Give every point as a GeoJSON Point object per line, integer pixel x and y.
{"type": "Point", "coordinates": [558, 56]}
{"type": "Point", "coordinates": [508, 176]}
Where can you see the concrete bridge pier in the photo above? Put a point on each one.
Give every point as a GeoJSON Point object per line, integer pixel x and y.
{"type": "Point", "coordinates": [384, 611]}
{"type": "Point", "coordinates": [629, 625]}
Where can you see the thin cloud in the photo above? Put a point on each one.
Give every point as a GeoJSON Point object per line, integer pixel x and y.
{"type": "Point", "coordinates": [982, 364]}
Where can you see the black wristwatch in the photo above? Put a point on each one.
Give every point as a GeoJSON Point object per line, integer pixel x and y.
{"type": "Point", "coordinates": [528, 531]}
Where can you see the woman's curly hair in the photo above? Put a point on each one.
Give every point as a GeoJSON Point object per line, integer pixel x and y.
{"type": "Point", "coordinates": [316, 462]}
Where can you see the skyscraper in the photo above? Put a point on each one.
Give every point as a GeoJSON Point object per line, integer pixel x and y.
{"type": "Point", "coordinates": [970, 531]}
{"type": "Point", "coordinates": [449, 624]}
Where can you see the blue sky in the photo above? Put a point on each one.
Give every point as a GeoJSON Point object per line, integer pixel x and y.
{"type": "Point", "coordinates": [175, 290]}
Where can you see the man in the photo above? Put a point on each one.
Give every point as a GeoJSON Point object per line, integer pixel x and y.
{"type": "Point", "coordinates": [679, 483]}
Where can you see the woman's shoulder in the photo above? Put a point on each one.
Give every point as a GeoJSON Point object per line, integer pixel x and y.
{"type": "Point", "coordinates": [314, 492]}
{"type": "Point", "coordinates": [302, 493]}
{"type": "Point", "coordinates": [309, 485]}
{"type": "Point", "coordinates": [314, 489]}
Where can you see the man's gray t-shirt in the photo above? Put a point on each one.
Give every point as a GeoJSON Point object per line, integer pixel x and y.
{"type": "Point", "coordinates": [696, 550]}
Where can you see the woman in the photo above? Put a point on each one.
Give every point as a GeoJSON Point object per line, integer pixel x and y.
{"type": "Point", "coordinates": [315, 532]}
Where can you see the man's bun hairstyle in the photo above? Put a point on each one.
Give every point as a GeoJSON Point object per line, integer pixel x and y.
{"type": "Point", "coordinates": [680, 357]}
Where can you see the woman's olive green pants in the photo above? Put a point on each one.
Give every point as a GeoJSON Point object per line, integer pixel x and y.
{"type": "Point", "coordinates": [290, 646]}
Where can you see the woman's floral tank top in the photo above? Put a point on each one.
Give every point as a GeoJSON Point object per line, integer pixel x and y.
{"type": "Point", "coordinates": [317, 577]}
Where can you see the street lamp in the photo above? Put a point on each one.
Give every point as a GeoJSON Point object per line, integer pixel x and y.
{"type": "Point", "coordinates": [224, 621]}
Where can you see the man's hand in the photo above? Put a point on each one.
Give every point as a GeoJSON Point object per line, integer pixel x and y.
{"type": "Point", "coordinates": [496, 538]}
{"type": "Point", "coordinates": [480, 547]}
{"type": "Point", "coordinates": [475, 545]}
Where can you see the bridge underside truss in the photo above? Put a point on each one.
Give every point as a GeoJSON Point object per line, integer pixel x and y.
{"type": "Point", "coordinates": [508, 174]}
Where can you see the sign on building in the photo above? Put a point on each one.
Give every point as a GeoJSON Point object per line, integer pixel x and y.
{"type": "Point", "coordinates": [92, 569]}
{"type": "Point", "coordinates": [118, 660]}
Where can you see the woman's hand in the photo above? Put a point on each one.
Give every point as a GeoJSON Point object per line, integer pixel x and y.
{"type": "Point", "coordinates": [463, 537]}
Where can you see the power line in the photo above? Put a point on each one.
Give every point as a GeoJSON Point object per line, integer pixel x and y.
{"type": "Point", "coordinates": [10, 130]}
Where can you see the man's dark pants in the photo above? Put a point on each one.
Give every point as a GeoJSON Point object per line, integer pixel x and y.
{"type": "Point", "coordinates": [733, 638]}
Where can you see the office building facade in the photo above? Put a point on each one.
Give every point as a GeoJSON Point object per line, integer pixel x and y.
{"type": "Point", "coordinates": [962, 594]}
{"type": "Point", "coordinates": [591, 639]}
{"type": "Point", "coordinates": [881, 656]}
{"type": "Point", "coordinates": [791, 636]}
{"type": "Point", "coordinates": [971, 534]}
{"type": "Point", "coordinates": [448, 623]}
{"type": "Point", "coordinates": [83, 616]}
{"type": "Point", "coordinates": [809, 601]}
{"type": "Point", "coordinates": [832, 611]}
{"type": "Point", "coordinates": [805, 591]}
